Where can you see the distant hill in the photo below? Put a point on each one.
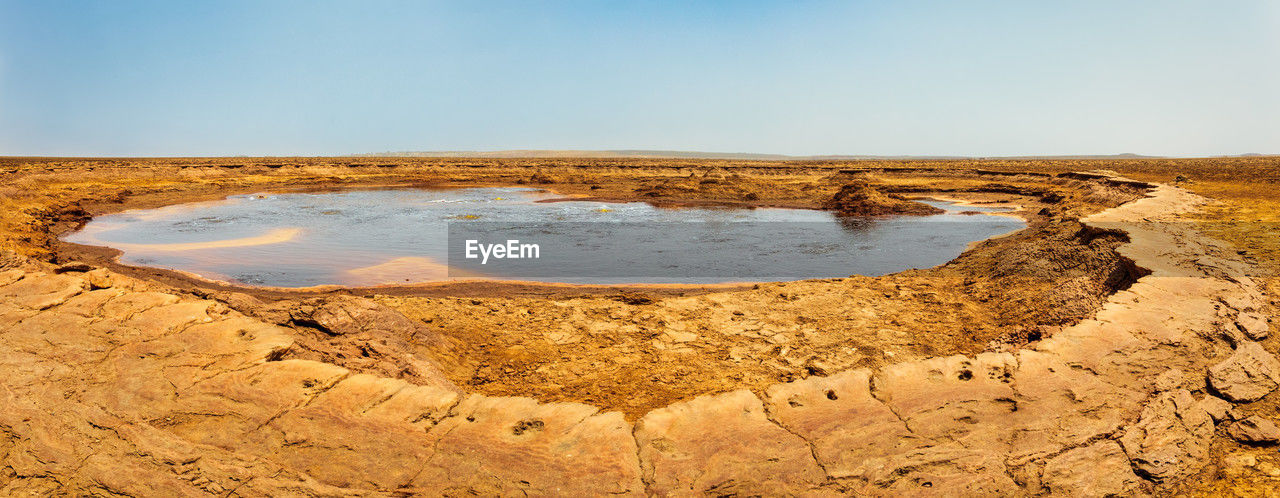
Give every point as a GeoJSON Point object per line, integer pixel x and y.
{"type": "Point", "coordinates": [606, 154]}
{"type": "Point", "coordinates": [676, 154]}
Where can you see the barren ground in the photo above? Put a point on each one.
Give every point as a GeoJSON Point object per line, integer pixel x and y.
{"type": "Point", "coordinates": [643, 351]}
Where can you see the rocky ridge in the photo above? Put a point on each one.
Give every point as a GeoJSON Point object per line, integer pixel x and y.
{"type": "Point", "coordinates": [861, 199]}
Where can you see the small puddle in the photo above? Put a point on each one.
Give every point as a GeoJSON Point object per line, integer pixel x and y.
{"type": "Point", "coordinates": [364, 238]}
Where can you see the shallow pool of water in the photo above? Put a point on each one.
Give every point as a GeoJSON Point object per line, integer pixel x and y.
{"type": "Point", "coordinates": [408, 236]}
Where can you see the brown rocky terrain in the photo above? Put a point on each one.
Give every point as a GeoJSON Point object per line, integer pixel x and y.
{"type": "Point", "coordinates": [1110, 348]}
{"type": "Point", "coordinates": [861, 199]}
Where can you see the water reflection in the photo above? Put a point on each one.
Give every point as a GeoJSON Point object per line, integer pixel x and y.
{"type": "Point", "coordinates": [401, 236]}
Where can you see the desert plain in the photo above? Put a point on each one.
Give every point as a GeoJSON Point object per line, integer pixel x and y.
{"type": "Point", "coordinates": [1121, 344]}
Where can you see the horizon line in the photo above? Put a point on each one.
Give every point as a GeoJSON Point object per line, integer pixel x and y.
{"type": "Point", "coordinates": [651, 154]}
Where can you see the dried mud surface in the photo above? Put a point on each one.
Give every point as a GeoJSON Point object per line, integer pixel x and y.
{"type": "Point", "coordinates": [1069, 358]}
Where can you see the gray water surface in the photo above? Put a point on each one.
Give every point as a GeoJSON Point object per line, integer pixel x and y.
{"type": "Point", "coordinates": [408, 236]}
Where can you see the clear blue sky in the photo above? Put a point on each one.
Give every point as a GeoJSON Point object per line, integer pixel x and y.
{"type": "Point", "coordinates": [1168, 77]}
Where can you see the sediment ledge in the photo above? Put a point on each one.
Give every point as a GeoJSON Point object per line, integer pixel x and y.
{"type": "Point", "coordinates": [113, 387]}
